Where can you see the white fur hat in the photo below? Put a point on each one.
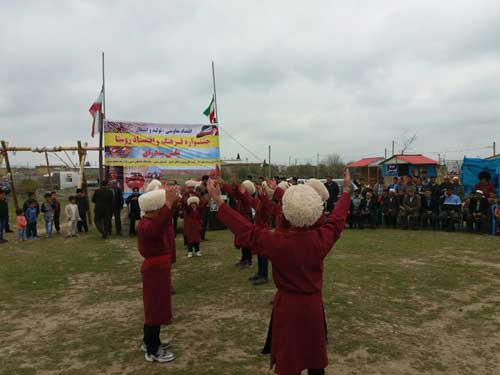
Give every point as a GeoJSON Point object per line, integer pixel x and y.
{"type": "Point", "coordinates": [153, 185]}
{"type": "Point", "coordinates": [302, 205]}
{"type": "Point", "coordinates": [191, 183]}
{"type": "Point", "coordinates": [319, 187]}
{"type": "Point", "coordinates": [249, 186]}
{"type": "Point", "coordinates": [284, 185]}
{"type": "Point", "coordinates": [267, 189]}
{"type": "Point", "coordinates": [152, 200]}
{"type": "Point", "coordinates": [193, 199]}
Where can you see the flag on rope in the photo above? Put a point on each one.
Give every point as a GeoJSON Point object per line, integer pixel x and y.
{"type": "Point", "coordinates": [95, 110]}
{"type": "Point", "coordinates": [210, 111]}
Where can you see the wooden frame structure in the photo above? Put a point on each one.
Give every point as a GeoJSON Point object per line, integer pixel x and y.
{"type": "Point", "coordinates": [82, 155]}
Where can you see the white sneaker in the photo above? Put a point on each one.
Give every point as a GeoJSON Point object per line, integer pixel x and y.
{"type": "Point", "coordinates": [190, 255]}
{"type": "Point", "coordinates": [161, 356]}
{"type": "Point", "coordinates": [163, 347]}
{"type": "Point", "coordinates": [198, 253]}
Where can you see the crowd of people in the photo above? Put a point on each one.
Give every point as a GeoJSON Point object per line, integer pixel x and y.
{"type": "Point", "coordinates": [49, 211]}
{"type": "Point", "coordinates": [422, 203]}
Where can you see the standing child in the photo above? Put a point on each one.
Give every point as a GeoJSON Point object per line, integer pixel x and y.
{"type": "Point", "coordinates": [31, 215]}
{"type": "Point", "coordinates": [48, 214]}
{"type": "Point", "coordinates": [156, 242]}
{"type": "Point", "coordinates": [72, 215]}
{"type": "Point", "coordinates": [193, 221]}
{"type": "Point", "coordinates": [4, 214]}
{"type": "Point", "coordinates": [21, 225]}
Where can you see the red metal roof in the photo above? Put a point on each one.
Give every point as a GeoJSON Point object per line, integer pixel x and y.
{"type": "Point", "coordinates": [418, 159]}
{"type": "Point", "coordinates": [363, 162]}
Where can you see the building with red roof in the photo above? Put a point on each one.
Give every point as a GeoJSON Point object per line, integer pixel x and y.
{"type": "Point", "coordinates": [409, 165]}
{"type": "Point", "coordinates": [367, 168]}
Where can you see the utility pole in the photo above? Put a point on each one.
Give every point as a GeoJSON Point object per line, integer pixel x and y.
{"type": "Point", "coordinates": [385, 153]}
{"type": "Point", "coordinates": [494, 148]}
{"type": "Point", "coordinates": [289, 160]}
{"type": "Point", "coordinates": [270, 161]}
{"type": "Point", "coordinates": [392, 148]}
{"type": "Point", "coordinates": [317, 165]}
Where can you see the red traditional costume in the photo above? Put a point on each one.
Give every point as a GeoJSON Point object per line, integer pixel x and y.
{"type": "Point", "coordinates": [297, 330]}
{"type": "Point", "coordinates": [157, 246]}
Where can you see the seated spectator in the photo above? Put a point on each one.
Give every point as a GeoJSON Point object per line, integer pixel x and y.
{"type": "Point", "coordinates": [354, 211]}
{"type": "Point", "coordinates": [484, 183]}
{"type": "Point", "coordinates": [368, 209]}
{"type": "Point", "coordinates": [429, 207]}
{"type": "Point", "coordinates": [477, 218]}
{"type": "Point", "coordinates": [419, 188]}
{"type": "Point", "coordinates": [391, 208]}
{"type": "Point", "coordinates": [450, 210]}
{"type": "Point", "coordinates": [380, 206]}
{"type": "Point", "coordinates": [409, 211]}
{"type": "Point", "coordinates": [446, 184]}
{"type": "Point", "coordinates": [395, 183]}
{"type": "Point", "coordinates": [458, 189]}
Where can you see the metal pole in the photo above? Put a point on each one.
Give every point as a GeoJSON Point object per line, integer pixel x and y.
{"type": "Point", "coordinates": [101, 128]}
{"type": "Point", "coordinates": [494, 148]}
{"type": "Point", "coordinates": [215, 95]}
{"type": "Point", "coordinates": [270, 161]}
{"type": "Point", "coordinates": [392, 148]}
{"type": "Point", "coordinates": [9, 171]}
{"type": "Point", "coordinates": [385, 153]}
{"type": "Point", "coordinates": [48, 171]}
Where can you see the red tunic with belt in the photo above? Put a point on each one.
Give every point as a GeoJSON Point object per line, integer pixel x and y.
{"type": "Point", "coordinates": [243, 208]}
{"type": "Point", "coordinates": [157, 245]}
{"type": "Point", "coordinates": [298, 330]}
{"type": "Point", "coordinates": [193, 219]}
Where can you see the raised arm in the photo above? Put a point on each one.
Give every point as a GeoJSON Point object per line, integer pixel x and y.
{"type": "Point", "coordinates": [331, 230]}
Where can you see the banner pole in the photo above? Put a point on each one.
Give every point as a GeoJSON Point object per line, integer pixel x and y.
{"type": "Point", "coordinates": [215, 95]}
{"type": "Point", "coordinates": [101, 128]}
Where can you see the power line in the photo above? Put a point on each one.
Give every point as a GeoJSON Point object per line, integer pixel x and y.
{"type": "Point", "coordinates": [246, 148]}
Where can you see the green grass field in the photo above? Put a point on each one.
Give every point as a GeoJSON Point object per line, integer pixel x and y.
{"type": "Point", "coordinates": [397, 302]}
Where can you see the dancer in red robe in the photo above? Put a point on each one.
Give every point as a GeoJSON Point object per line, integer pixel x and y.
{"type": "Point", "coordinates": [156, 242]}
{"type": "Point", "coordinates": [297, 332]}
{"type": "Point", "coordinates": [193, 221]}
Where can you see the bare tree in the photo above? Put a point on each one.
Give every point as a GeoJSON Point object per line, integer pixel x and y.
{"type": "Point", "coordinates": [408, 142]}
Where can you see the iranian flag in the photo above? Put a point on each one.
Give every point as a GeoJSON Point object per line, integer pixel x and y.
{"type": "Point", "coordinates": [210, 111]}
{"type": "Point", "coordinates": [96, 110]}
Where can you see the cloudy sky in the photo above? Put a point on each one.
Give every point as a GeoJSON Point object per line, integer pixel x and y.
{"type": "Point", "coordinates": [306, 77]}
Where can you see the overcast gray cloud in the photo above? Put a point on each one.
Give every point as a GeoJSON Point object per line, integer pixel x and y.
{"type": "Point", "coordinates": [307, 77]}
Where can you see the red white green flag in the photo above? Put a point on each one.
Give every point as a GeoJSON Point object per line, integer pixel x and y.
{"type": "Point", "coordinates": [210, 111]}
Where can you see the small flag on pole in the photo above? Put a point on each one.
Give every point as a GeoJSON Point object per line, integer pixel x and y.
{"type": "Point", "coordinates": [210, 111]}
{"type": "Point", "coordinates": [95, 110]}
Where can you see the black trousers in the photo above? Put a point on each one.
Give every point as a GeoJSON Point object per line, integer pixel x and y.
{"type": "Point", "coordinates": [82, 225]}
{"type": "Point", "coordinates": [152, 338]}
{"type": "Point", "coordinates": [246, 255]}
{"type": "Point", "coordinates": [263, 267]}
{"type": "Point", "coordinates": [102, 221]}
{"type": "Point", "coordinates": [194, 247]}
{"type": "Point", "coordinates": [118, 221]}
{"type": "Point", "coordinates": [131, 229]}
{"type": "Point", "coordinates": [57, 223]}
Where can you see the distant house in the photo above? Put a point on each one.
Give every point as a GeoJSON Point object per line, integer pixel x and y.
{"type": "Point", "coordinates": [409, 165]}
{"type": "Point", "coordinates": [367, 168]}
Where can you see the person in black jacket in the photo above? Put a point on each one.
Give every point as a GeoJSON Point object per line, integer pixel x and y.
{"type": "Point", "coordinates": [103, 210]}
{"type": "Point", "coordinates": [4, 214]}
{"type": "Point", "coordinates": [333, 190]}
{"type": "Point", "coordinates": [391, 208]}
{"type": "Point", "coordinates": [478, 213]}
{"type": "Point", "coordinates": [429, 207]}
{"type": "Point", "coordinates": [134, 211]}
{"type": "Point", "coordinates": [117, 206]}
{"type": "Point", "coordinates": [82, 202]}
{"type": "Point", "coordinates": [369, 207]}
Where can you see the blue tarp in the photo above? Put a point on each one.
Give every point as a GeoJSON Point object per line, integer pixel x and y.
{"type": "Point", "coordinates": [471, 168]}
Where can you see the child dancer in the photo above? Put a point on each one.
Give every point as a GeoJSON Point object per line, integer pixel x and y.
{"type": "Point", "coordinates": [156, 242]}
{"type": "Point", "coordinates": [193, 221]}
{"type": "Point", "coordinates": [297, 332]}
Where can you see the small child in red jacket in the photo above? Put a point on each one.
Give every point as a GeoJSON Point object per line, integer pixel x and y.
{"type": "Point", "coordinates": [193, 220]}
